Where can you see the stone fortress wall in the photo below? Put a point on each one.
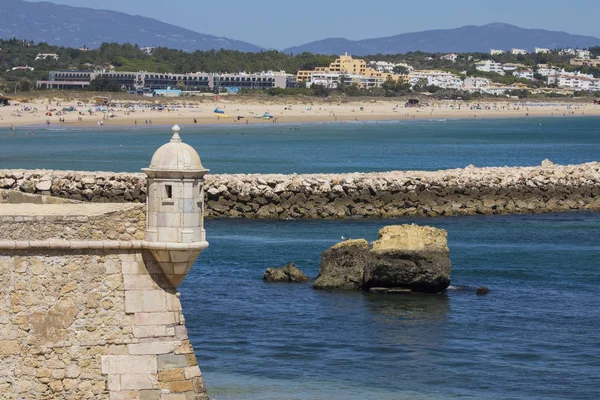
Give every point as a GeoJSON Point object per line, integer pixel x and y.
{"type": "Point", "coordinates": [86, 312]}
{"type": "Point", "coordinates": [89, 307]}
{"type": "Point", "coordinates": [468, 191]}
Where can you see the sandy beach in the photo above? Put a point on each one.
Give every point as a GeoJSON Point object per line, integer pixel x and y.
{"type": "Point", "coordinates": [238, 110]}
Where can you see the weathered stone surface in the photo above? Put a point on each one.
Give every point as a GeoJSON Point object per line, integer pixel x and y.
{"type": "Point", "coordinates": [288, 273]}
{"type": "Point", "coordinates": [87, 323]}
{"type": "Point", "coordinates": [404, 258]}
{"type": "Point", "coordinates": [343, 265]}
{"type": "Point", "coordinates": [504, 190]}
{"type": "Point", "coordinates": [409, 257]}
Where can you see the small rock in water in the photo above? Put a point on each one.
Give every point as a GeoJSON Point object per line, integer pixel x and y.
{"type": "Point", "coordinates": [482, 291]}
{"type": "Point", "coordinates": [288, 273]}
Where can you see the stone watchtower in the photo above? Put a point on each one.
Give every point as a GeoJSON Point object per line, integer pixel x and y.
{"type": "Point", "coordinates": [175, 232]}
{"type": "Point", "coordinates": [95, 281]}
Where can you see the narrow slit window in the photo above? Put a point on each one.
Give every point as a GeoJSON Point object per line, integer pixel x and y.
{"type": "Point", "coordinates": [169, 191]}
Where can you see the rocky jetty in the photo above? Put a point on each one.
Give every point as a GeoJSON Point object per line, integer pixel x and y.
{"type": "Point", "coordinates": [504, 190]}
{"type": "Point", "coordinates": [405, 258]}
{"type": "Point", "coordinates": [288, 273]}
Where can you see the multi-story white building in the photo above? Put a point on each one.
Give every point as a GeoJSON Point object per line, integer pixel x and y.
{"type": "Point", "coordinates": [442, 79]}
{"type": "Point", "coordinates": [540, 50]}
{"type": "Point", "coordinates": [329, 80]}
{"type": "Point", "coordinates": [475, 83]}
{"type": "Point", "coordinates": [545, 70]}
{"type": "Point", "coordinates": [524, 74]}
{"type": "Point", "coordinates": [567, 52]}
{"type": "Point", "coordinates": [383, 66]}
{"type": "Point", "coordinates": [517, 52]}
{"type": "Point", "coordinates": [585, 54]}
{"type": "Point", "coordinates": [489, 66]}
{"type": "Point", "coordinates": [495, 52]}
{"type": "Point", "coordinates": [575, 81]}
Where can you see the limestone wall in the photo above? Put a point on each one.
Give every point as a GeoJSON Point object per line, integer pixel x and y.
{"type": "Point", "coordinates": [547, 188]}
{"type": "Point", "coordinates": [85, 315]}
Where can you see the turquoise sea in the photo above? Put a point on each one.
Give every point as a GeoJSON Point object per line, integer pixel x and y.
{"type": "Point", "coordinates": [536, 335]}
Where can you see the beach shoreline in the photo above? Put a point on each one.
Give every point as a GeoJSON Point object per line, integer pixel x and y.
{"type": "Point", "coordinates": [243, 112]}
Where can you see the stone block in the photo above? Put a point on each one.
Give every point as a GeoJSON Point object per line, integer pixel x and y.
{"type": "Point", "coordinates": [114, 382]}
{"type": "Point", "coordinates": [192, 372]}
{"type": "Point", "coordinates": [168, 235]}
{"type": "Point", "coordinates": [169, 219]}
{"type": "Point", "coordinates": [181, 332]}
{"type": "Point", "coordinates": [171, 375]}
{"type": "Point", "coordinates": [169, 361]}
{"type": "Point", "coordinates": [133, 268]}
{"type": "Point", "coordinates": [162, 255]}
{"type": "Point", "coordinates": [149, 395]}
{"type": "Point", "coordinates": [145, 301]}
{"type": "Point", "coordinates": [181, 386]}
{"type": "Point", "coordinates": [138, 381]}
{"type": "Point", "coordinates": [129, 364]}
{"type": "Point", "coordinates": [191, 359]}
{"type": "Point", "coordinates": [191, 220]}
{"type": "Point", "coordinates": [112, 266]}
{"type": "Point", "coordinates": [125, 395]}
{"type": "Point", "coordinates": [156, 318]}
{"type": "Point", "coordinates": [183, 256]}
{"type": "Point", "coordinates": [181, 268]}
{"type": "Point", "coordinates": [198, 385]}
{"type": "Point", "coordinates": [188, 205]}
{"type": "Point", "coordinates": [139, 282]}
{"type": "Point", "coordinates": [152, 348]}
{"type": "Point", "coordinates": [174, 396]}
{"type": "Point", "coordinates": [9, 347]}
{"type": "Point", "coordinates": [150, 331]}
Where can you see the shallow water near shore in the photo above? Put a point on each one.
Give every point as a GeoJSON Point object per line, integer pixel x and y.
{"type": "Point", "coordinates": [316, 148]}
{"type": "Point", "coordinates": [535, 335]}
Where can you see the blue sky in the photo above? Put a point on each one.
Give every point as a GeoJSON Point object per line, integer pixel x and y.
{"type": "Point", "coordinates": [285, 23]}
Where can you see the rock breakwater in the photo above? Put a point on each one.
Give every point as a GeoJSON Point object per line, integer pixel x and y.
{"type": "Point", "coordinates": [468, 191]}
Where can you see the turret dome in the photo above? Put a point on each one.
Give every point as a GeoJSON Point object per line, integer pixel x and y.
{"type": "Point", "coordinates": [175, 157]}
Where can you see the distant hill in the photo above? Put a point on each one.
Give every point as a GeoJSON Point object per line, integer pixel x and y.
{"type": "Point", "coordinates": [77, 26]}
{"type": "Point", "coordinates": [466, 39]}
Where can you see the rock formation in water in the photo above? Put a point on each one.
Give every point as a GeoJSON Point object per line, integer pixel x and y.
{"type": "Point", "coordinates": [288, 273]}
{"type": "Point", "coordinates": [404, 258]}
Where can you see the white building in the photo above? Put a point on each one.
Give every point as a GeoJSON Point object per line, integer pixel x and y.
{"type": "Point", "coordinates": [517, 52]}
{"type": "Point", "coordinates": [476, 82]}
{"type": "Point", "coordinates": [575, 81]}
{"type": "Point", "coordinates": [567, 52]}
{"type": "Point", "coordinates": [524, 74]}
{"type": "Point", "coordinates": [489, 66]}
{"type": "Point", "coordinates": [384, 66]}
{"type": "Point", "coordinates": [585, 54]}
{"type": "Point", "coordinates": [510, 67]}
{"type": "Point", "coordinates": [148, 50]}
{"type": "Point", "coordinates": [545, 70]}
{"type": "Point", "coordinates": [495, 52]}
{"type": "Point", "coordinates": [442, 79]}
{"type": "Point", "coordinates": [540, 50]}
{"type": "Point", "coordinates": [44, 56]}
{"type": "Point", "coordinates": [449, 57]}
